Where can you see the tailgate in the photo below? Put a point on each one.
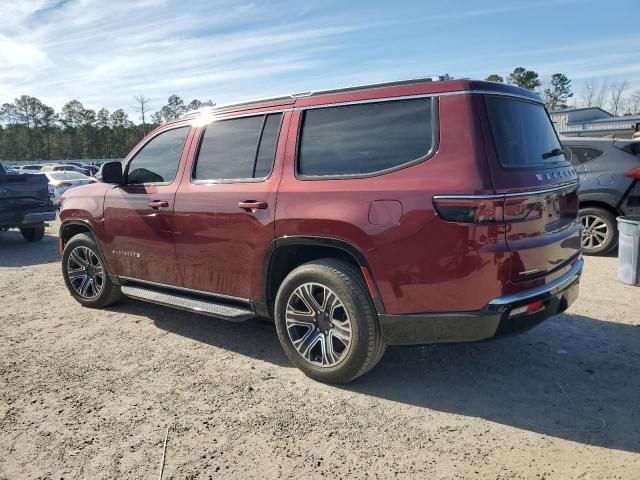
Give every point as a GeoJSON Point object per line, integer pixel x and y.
{"type": "Point", "coordinates": [20, 194]}
{"type": "Point", "coordinates": [540, 186]}
{"type": "Point", "coordinates": [544, 232]}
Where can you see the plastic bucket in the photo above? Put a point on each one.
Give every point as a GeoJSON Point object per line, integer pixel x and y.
{"type": "Point", "coordinates": [629, 249]}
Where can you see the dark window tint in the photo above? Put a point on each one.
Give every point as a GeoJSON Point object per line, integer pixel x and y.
{"type": "Point", "coordinates": [158, 160]}
{"type": "Point", "coordinates": [366, 138]}
{"type": "Point", "coordinates": [522, 132]}
{"type": "Point", "coordinates": [268, 142]}
{"type": "Point", "coordinates": [229, 149]}
{"type": "Point", "coordinates": [584, 154]}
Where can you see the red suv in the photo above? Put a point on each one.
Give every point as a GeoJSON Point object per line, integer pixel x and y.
{"type": "Point", "coordinates": [394, 214]}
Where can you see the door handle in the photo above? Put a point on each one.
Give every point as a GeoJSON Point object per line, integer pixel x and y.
{"type": "Point", "coordinates": [253, 205]}
{"type": "Point", "coordinates": [156, 204]}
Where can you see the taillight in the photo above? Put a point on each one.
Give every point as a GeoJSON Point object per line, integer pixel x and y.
{"type": "Point", "coordinates": [487, 210]}
{"type": "Point", "coordinates": [470, 210]}
{"type": "Point", "coordinates": [507, 208]}
{"type": "Point", "coordinates": [634, 173]}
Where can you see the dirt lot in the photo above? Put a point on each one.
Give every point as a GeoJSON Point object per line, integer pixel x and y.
{"type": "Point", "coordinates": [90, 394]}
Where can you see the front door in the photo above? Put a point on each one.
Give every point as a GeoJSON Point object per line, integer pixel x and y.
{"type": "Point", "coordinates": [138, 215]}
{"type": "Point", "coordinates": [224, 213]}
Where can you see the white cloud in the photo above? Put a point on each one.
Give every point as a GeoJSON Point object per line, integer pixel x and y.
{"type": "Point", "coordinates": [103, 53]}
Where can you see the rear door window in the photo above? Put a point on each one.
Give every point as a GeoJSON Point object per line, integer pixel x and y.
{"type": "Point", "coordinates": [522, 133]}
{"type": "Point", "coordinates": [365, 139]}
{"type": "Point", "coordinates": [238, 149]}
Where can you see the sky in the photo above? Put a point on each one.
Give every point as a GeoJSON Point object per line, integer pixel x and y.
{"type": "Point", "coordinates": [103, 52]}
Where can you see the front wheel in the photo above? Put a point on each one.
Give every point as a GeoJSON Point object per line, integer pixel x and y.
{"type": "Point", "coordinates": [326, 322]}
{"type": "Point", "coordinates": [600, 232]}
{"type": "Point", "coordinates": [85, 274]}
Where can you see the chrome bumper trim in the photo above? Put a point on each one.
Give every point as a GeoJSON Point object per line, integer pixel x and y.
{"type": "Point", "coordinates": [563, 281]}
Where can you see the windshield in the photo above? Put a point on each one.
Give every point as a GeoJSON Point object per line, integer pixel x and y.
{"type": "Point", "coordinates": [523, 133]}
{"type": "Point", "coordinates": [67, 175]}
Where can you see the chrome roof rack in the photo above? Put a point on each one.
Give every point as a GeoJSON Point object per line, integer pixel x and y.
{"type": "Point", "coordinates": [432, 78]}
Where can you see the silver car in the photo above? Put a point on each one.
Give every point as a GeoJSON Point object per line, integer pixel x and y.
{"type": "Point", "coordinates": [609, 171]}
{"type": "Point", "coordinates": [61, 181]}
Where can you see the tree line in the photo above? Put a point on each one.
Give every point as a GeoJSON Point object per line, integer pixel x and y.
{"type": "Point", "coordinates": [557, 91]}
{"type": "Point", "coordinates": [32, 130]}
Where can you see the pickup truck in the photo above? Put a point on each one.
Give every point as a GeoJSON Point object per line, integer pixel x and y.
{"type": "Point", "coordinates": [25, 203]}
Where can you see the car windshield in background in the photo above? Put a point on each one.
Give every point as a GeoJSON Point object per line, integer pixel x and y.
{"type": "Point", "coordinates": [523, 133]}
{"type": "Point", "coordinates": [67, 175]}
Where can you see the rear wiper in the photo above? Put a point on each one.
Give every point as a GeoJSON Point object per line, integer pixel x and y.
{"type": "Point", "coordinates": [556, 152]}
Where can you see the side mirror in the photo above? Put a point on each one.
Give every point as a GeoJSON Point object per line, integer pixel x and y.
{"type": "Point", "coordinates": [112, 173]}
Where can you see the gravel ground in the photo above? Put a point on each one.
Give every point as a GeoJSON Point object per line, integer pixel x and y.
{"type": "Point", "coordinates": [90, 394]}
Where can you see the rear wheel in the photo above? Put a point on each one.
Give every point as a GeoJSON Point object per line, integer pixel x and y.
{"type": "Point", "coordinates": [327, 323]}
{"type": "Point", "coordinates": [32, 234]}
{"type": "Point", "coordinates": [85, 274]}
{"type": "Point", "coordinates": [600, 233]}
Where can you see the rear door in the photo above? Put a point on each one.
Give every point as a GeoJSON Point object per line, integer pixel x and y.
{"type": "Point", "coordinates": [540, 185]}
{"type": "Point", "coordinates": [138, 215]}
{"type": "Point", "coordinates": [225, 207]}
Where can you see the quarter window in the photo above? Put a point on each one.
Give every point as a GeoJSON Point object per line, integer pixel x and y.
{"type": "Point", "coordinates": [522, 133]}
{"type": "Point", "coordinates": [157, 161]}
{"type": "Point", "coordinates": [585, 154]}
{"type": "Point", "coordinates": [365, 139]}
{"type": "Point", "coordinates": [238, 149]}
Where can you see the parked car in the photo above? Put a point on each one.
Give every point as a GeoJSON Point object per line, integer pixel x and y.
{"type": "Point", "coordinates": [61, 181]}
{"type": "Point", "coordinates": [29, 168]}
{"type": "Point", "coordinates": [25, 204]}
{"type": "Point", "coordinates": [64, 168]}
{"type": "Point", "coordinates": [404, 213]}
{"type": "Point", "coordinates": [609, 171]}
{"type": "Point", "coordinates": [92, 170]}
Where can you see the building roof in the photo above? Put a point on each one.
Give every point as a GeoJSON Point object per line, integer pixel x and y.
{"type": "Point", "coordinates": [578, 109]}
{"type": "Point", "coordinates": [627, 118]}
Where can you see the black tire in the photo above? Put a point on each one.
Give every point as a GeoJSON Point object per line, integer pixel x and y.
{"type": "Point", "coordinates": [366, 345]}
{"type": "Point", "coordinates": [32, 234]}
{"type": "Point", "coordinates": [597, 246]}
{"type": "Point", "coordinates": [108, 293]}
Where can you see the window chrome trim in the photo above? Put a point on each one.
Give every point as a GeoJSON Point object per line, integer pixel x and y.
{"type": "Point", "coordinates": [527, 193]}
{"type": "Point", "coordinates": [419, 95]}
{"type": "Point", "coordinates": [200, 122]}
{"type": "Point", "coordinates": [434, 113]}
{"type": "Point", "coordinates": [219, 181]}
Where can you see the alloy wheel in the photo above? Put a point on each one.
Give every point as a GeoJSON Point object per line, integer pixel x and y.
{"type": "Point", "coordinates": [318, 325]}
{"type": "Point", "coordinates": [595, 232]}
{"type": "Point", "coordinates": [85, 272]}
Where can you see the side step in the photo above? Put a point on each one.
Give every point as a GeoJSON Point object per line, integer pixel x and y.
{"type": "Point", "coordinates": [197, 305]}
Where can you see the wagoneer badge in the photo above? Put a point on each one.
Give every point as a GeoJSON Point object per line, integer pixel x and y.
{"type": "Point", "coordinates": [125, 253]}
{"type": "Point", "coordinates": [556, 174]}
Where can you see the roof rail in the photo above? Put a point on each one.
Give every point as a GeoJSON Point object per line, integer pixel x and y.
{"type": "Point", "coordinates": [432, 78]}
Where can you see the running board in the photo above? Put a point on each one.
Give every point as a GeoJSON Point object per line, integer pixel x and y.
{"type": "Point", "coordinates": [197, 305]}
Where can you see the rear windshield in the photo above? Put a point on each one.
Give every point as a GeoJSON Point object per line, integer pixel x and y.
{"type": "Point", "coordinates": [522, 133]}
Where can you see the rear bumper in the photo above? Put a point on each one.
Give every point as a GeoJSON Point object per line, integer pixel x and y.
{"type": "Point", "coordinates": [36, 218]}
{"type": "Point", "coordinates": [494, 320]}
